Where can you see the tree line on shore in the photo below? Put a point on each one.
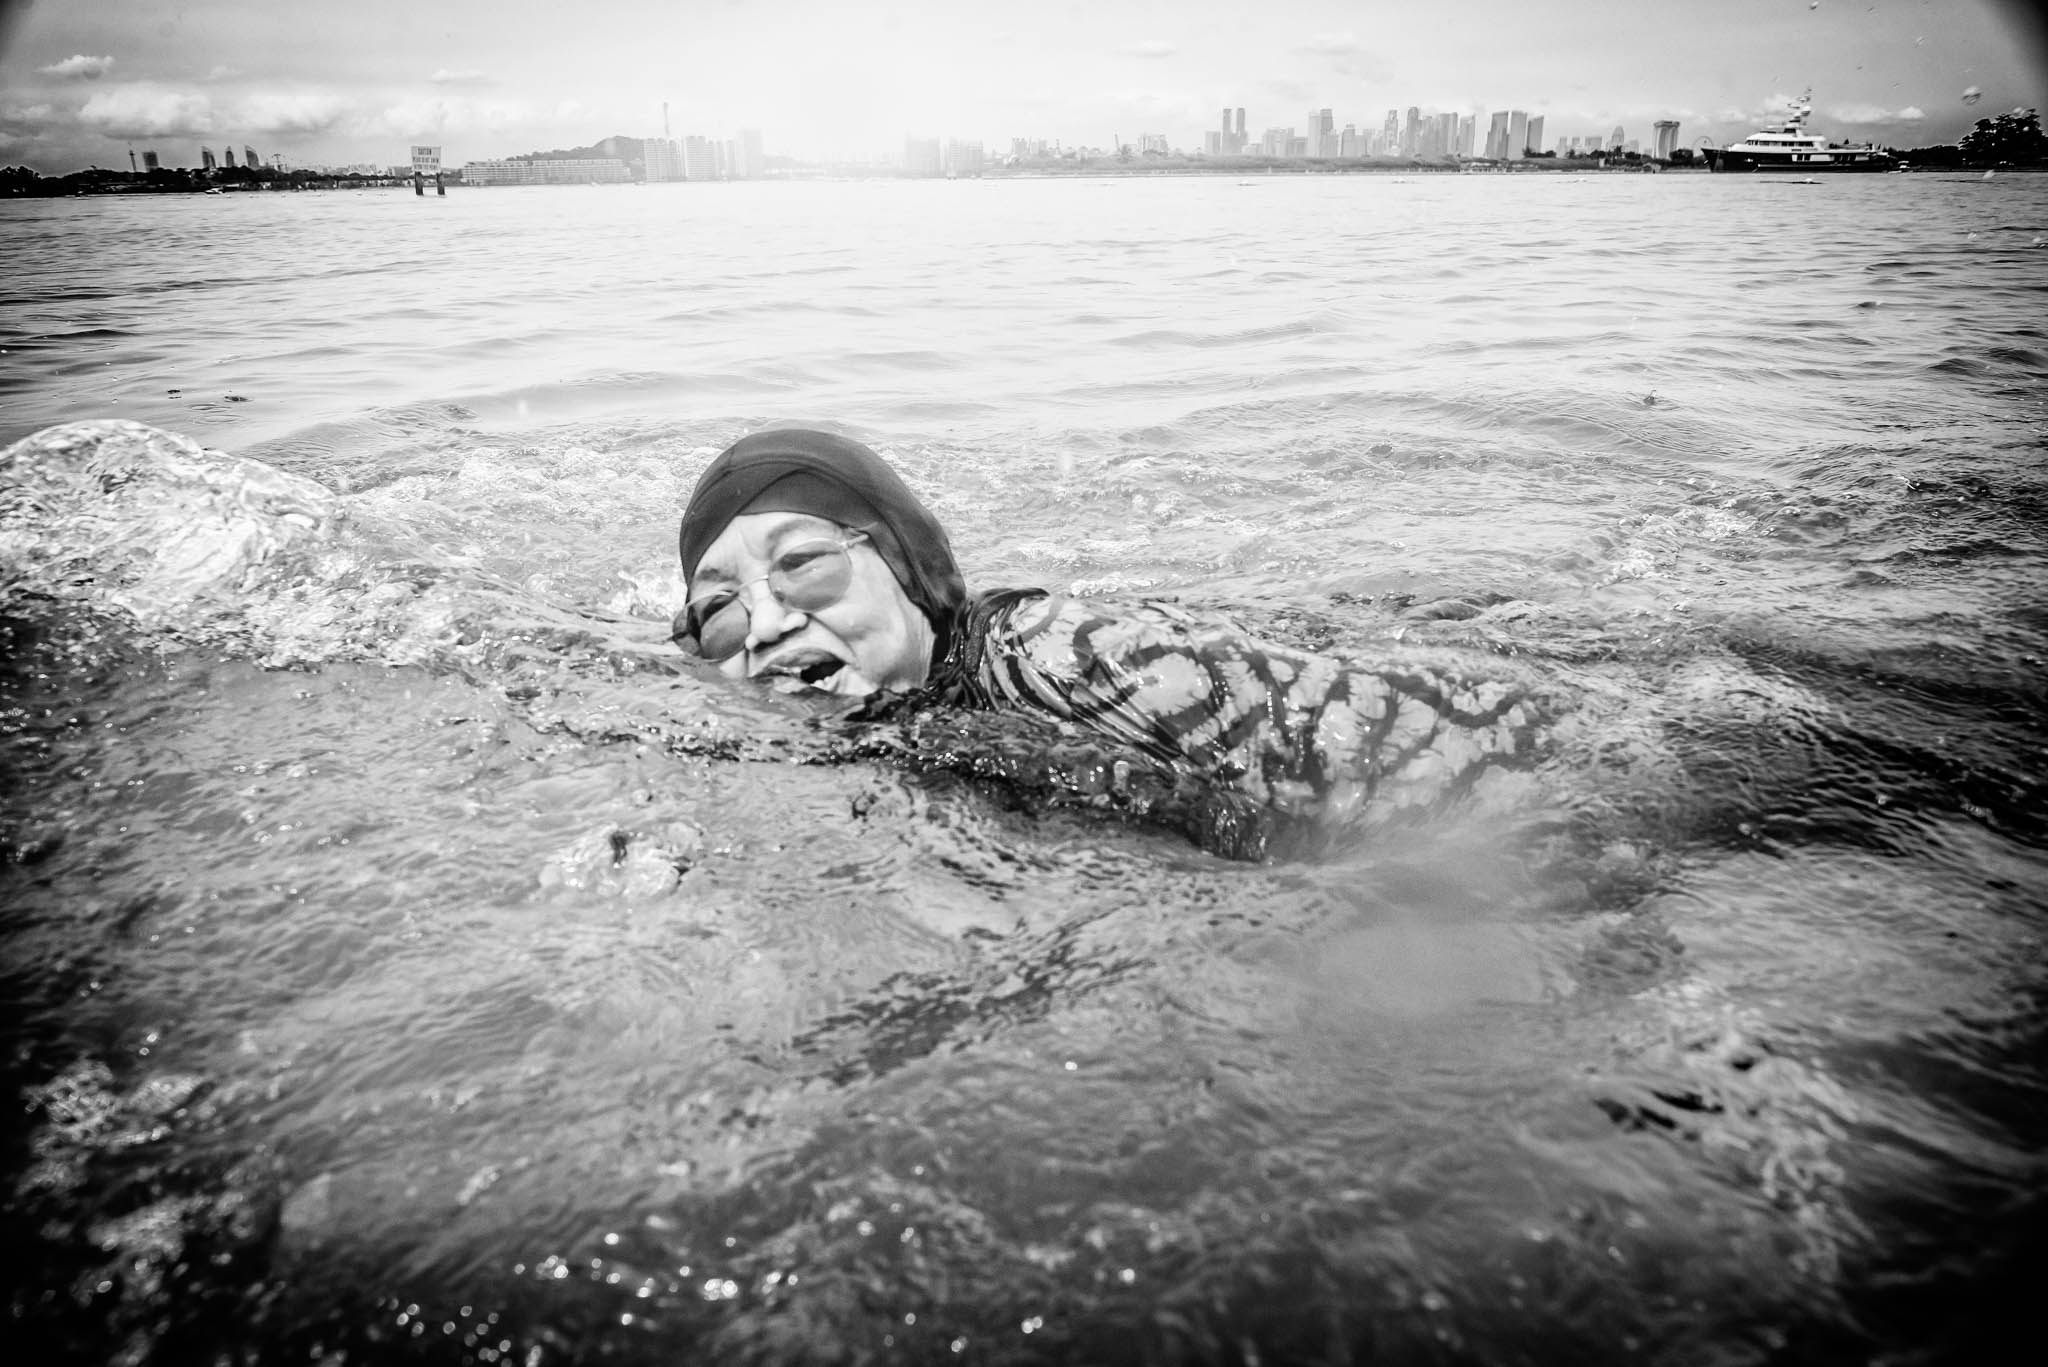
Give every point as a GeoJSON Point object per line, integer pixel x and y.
{"type": "Point", "coordinates": [2013, 139]}
{"type": "Point", "coordinates": [22, 182]}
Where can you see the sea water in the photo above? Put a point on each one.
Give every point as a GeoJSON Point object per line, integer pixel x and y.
{"type": "Point", "coordinates": [494, 990]}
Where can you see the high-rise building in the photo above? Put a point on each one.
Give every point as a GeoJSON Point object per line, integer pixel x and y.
{"type": "Point", "coordinates": [1447, 135]}
{"type": "Point", "coordinates": [1350, 143]}
{"type": "Point", "coordinates": [1411, 131]}
{"type": "Point", "coordinates": [1615, 139]}
{"type": "Point", "coordinates": [661, 159]}
{"type": "Point", "coordinates": [149, 161]}
{"type": "Point", "coordinates": [1534, 140]}
{"type": "Point", "coordinates": [699, 161]}
{"type": "Point", "coordinates": [1468, 128]}
{"type": "Point", "coordinates": [1497, 136]}
{"type": "Point", "coordinates": [1390, 132]}
{"type": "Point", "coordinates": [1518, 134]}
{"type": "Point", "coordinates": [249, 157]}
{"type": "Point", "coordinates": [963, 158]}
{"type": "Point", "coordinates": [206, 161]}
{"type": "Point", "coordinates": [1667, 138]}
{"type": "Point", "coordinates": [1240, 128]}
{"type": "Point", "coordinates": [748, 163]}
{"type": "Point", "coordinates": [921, 157]}
{"type": "Point", "coordinates": [1319, 138]}
{"type": "Point", "coordinates": [229, 153]}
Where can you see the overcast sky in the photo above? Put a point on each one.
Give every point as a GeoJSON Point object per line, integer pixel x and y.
{"type": "Point", "coordinates": [340, 81]}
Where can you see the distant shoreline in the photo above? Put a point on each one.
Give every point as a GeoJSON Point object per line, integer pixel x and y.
{"type": "Point", "coordinates": [122, 183]}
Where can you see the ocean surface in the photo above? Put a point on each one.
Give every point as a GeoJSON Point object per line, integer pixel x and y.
{"type": "Point", "coordinates": [411, 961]}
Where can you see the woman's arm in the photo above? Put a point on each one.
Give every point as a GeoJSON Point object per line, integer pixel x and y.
{"type": "Point", "coordinates": [1298, 733]}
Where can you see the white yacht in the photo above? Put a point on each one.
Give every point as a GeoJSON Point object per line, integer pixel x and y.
{"type": "Point", "coordinates": [1792, 146]}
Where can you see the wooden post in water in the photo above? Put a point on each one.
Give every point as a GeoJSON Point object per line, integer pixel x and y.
{"type": "Point", "coordinates": [440, 186]}
{"type": "Point", "coordinates": [419, 185]}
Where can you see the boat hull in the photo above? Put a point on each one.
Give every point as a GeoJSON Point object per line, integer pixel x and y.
{"type": "Point", "coordinates": [1727, 159]}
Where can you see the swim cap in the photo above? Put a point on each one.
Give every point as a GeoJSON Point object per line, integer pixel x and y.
{"type": "Point", "coordinates": [797, 470]}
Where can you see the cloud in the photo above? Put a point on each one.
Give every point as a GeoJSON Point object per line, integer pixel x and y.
{"type": "Point", "coordinates": [1150, 48]}
{"type": "Point", "coordinates": [147, 111]}
{"type": "Point", "coordinates": [222, 73]}
{"type": "Point", "coordinates": [290, 114]}
{"type": "Point", "coordinates": [22, 125]}
{"type": "Point", "coordinates": [459, 116]}
{"type": "Point", "coordinates": [1332, 44]}
{"type": "Point", "coordinates": [78, 67]}
{"type": "Point", "coordinates": [1871, 113]}
{"type": "Point", "coordinates": [459, 76]}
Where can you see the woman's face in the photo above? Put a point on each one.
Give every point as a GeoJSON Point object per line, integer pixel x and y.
{"type": "Point", "coordinates": [871, 637]}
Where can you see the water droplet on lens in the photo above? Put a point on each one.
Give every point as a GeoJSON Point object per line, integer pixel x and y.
{"type": "Point", "coordinates": [1972, 95]}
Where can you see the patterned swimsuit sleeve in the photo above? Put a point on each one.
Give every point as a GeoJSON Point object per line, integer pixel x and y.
{"type": "Point", "coordinates": [1297, 733]}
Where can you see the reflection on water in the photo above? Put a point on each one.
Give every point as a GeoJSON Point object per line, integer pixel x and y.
{"type": "Point", "coordinates": [404, 958]}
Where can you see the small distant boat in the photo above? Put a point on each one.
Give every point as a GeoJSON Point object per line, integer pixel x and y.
{"type": "Point", "coordinates": [1792, 146]}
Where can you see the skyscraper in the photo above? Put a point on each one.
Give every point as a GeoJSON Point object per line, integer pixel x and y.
{"type": "Point", "coordinates": [206, 161]}
{"type": "Point", "coordinates": [699, 161]}
{"type": "Point", "coordinates": [750, 163]}
{"type": "Point", "coordinates": [963, 158]}
{"type": "Point", "coordinates": [1497, 136]}
{"type": "Point", "coordinates": [921, 157]}
{"type": "Point", "coordinates": [1667, 138]}
{"type": "Point", "coordinates": [1468, 128]}
{"type": "Point", "coordinates": [149, 161]}
{"type": "Point", "coordinates": [661, 159]}
{"type": "Point", "coordinates": [1534, 143]}
{"type": "Point", "coordinates": [1616, 139]}
{"type": "Point", "coordinates": [1447, 135]}
{"type": "Point", "coordinates": [1319, 125]}
{"type": "Point", "coordinates": [1518, 134]}
{"type": "Point", "coordinates": [249, 157]}
{"type": "Point", "coordinates": [1411, 131]}
{"type": "Point", "coordinates": [229, 153]}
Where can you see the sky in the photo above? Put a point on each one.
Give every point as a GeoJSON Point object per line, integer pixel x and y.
{"type": "Point", "coordinates": [338, 82]}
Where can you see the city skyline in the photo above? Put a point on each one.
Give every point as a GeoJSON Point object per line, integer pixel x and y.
{"type": "Point", "coordinates": [82, 85]}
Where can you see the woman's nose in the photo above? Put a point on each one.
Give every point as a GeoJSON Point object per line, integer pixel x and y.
{"type": "Point", "coordinates": [769, 619]}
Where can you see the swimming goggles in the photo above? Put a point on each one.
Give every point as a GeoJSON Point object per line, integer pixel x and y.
{"type": "Point", "coordinates": [804, 578]}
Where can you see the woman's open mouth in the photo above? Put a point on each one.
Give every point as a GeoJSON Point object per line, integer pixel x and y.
{"type": "Point", "coordinates": [810, 668]}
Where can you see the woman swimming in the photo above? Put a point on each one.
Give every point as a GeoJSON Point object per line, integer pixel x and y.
{"type": "Point", "coordinates": [809, 560]}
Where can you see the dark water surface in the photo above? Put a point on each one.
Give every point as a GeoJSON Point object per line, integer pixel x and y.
{"type": "Point", "coordinates": [405, 961]}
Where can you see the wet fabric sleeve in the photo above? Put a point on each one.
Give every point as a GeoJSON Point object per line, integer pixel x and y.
{"type": "Point", "coordinates": [1298, 733]}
